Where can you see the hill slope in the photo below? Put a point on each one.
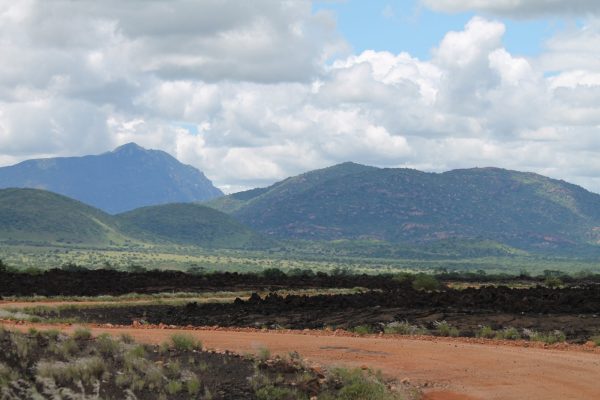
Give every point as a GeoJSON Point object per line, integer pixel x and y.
{"type": "Point", "coordinates": [39, 216]}
{"type": "Point", "coordinates": [124, 179]}
{"type": "Point", "coordinates": [349, 201]}
{"type": "Point", "coordinates": [188, 224]}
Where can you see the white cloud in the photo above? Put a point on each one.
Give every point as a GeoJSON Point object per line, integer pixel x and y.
{"type": "Point", "coordinates": [517, 8]}
{"type": "Point", "coordinates": [245, 93]}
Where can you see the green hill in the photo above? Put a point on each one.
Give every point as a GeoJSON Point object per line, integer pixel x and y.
{"type": "Point", "coordinates": [40, 216]}
{"type": "Point", "coordinates": [350, 201]}
{"type": "Point", "coordinates": [188, 224]}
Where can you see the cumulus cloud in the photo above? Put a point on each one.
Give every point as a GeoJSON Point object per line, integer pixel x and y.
{"type": "Point", "coordinates": [253, 94]}
{"type": "Point", "coordinates": [517, 8]}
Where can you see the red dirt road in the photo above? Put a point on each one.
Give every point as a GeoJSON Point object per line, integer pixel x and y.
{"type": "Point", "coordinates": [449, 369]}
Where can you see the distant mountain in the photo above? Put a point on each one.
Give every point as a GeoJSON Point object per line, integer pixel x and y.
{"type": "Point", "coordinates": [41, 217]}
{"type": "Point", "coordinates": [121, 180]}
{"type": "Point", "coordinates": [350, 201]}
{"type": "Point", "coordinates": [189, 224]}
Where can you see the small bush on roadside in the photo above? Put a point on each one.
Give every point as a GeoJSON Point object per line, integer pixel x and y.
{"type": "Point", "coordinates": [595, 340]}
{"type": "Point", "coordinates": [404, 328]}
{"type": "Point", "coordinates": [548, 338]}
{"type": "Point", "coordinates": [486, 332]}
{"type": "Point", "coordinates": [264, 354]}
{"type": "Point", "coordinates": [443, 328]}
{"type": "Point", "coordinates": [184, 342]}
{"type": "Point", "coordinates": [508, 334]}
{"type": "Point", "coordinates": [82, 334]}
{"type": "Point", "coordinates": [362, 329]}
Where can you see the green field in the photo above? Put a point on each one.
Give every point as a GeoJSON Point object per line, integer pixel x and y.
{"type": "Point", "coordinates": [194, 258]}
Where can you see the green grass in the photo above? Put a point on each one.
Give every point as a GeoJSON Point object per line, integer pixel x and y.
{"type": "Point", "coordinates": [185, 342]}
{"type": "Point", "coordinates": [443, 328]}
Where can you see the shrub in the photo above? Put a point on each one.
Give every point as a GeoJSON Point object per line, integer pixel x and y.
{"type": "Point", "coordinates": [107, 346]}
{"type": "Point", "coordinates": [174, 387]}
{"type": "Point", "coordinates": [553, 282]}
{"type": "Point", "coordinates": [595, 340]}
{"type": "Point", "coordinates": [184, 342]}
{"type": "Point", "coordinates": [486, 332]}
{"type": "Point", "coordinates": [358, 385]}
{"type": "Point", "coordinates": [443, 328]}
{"type": "Point", "coordinates": [362, 329]}
{"type": "Point", "coordinates": [264, 354]}
{"type": "Point", "coordinates": [126, 338]}
{"type": "Point", "coordinates": [6, 375]}
{"type": "Point", "coordinates": [86, 370]}
{"type": "Point", "coordinates": [271, 392]}
{"type": "Point", "coordinates": [549, 337]}
{"type": "Point", "coordinates": [404, 328]}
{"type": "Point", "coordinates": [82, 334]}
{"type": "Point", "coordinates": [508, 334]}
{"type": "Point", "coordinates": [193, 385]}
{"type": "Point", "coordinates": [425, 282]}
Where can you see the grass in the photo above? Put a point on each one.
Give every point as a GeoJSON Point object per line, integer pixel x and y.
{"type": "Point", "coordinates": [359, 385]}
{"type": "Point", "coordinates": [404, 328]}
{"type": "Point", "coordinates": [443, 328]}
{"type": "Point", "coordinates": [185, 342]}
{"type": "Point", "coordinates": [546, 337]}
{"type": "Point", "coordinates": [362, 329]}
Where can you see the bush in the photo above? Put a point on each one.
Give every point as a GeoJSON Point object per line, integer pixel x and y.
{"type": "Point", "coordinates": [174, 387]}
{"type": "Point", "coordinates": [548, 338]}
{"type": "Point", "coordinates": [425, 282]}
{"type": "Point", "coordinates": [362, 329]}
{"type": "Point", "coordinates": [553, 282]}
{"type": "Point", "coordinates": [271, 392]}
{"type": "Point", "coordinates": [185, 342]}
{"type": "Point", "coordinates": [82, 334]}
{"type": "Point", "coordinates": [404, 328]}
{"type": "Point", "coordinates": [264, 354]}
{"type": "Point", "coordinates": [359, 385]}
{"type": "Point", "coordinates": [192, 385]}
{"type": "Point", "coordinates": [508, 334]}
{"type": "Point", "coordinates": [486, 332]}
{"type": "Point", "coordinates": [443, 328]}
{"type": "Point", "coordinates": [595, 340]}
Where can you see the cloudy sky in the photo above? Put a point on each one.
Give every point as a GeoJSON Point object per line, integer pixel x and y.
{"type": "Point", "coordinates": [251, 92]}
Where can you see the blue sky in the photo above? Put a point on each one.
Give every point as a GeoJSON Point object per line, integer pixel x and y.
{"type": "Point", "coordinates": [407, 25]}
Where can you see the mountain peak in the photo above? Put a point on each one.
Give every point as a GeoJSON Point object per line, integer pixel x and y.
{"type": "Point", "coordinates": [129, 148]}
{"type": "Point", "coordinates": [120, 180]}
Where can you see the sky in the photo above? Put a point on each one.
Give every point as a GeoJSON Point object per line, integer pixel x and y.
{"type": "Point", "coordinates": [253, 92]}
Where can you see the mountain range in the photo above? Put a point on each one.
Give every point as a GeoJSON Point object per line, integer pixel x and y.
{"type": "Point", "coordinates": [133, 195]}
{"type": "Point", "coordinates": [398, 205]}
{"type": "Point", "coordinates": [121, 180]}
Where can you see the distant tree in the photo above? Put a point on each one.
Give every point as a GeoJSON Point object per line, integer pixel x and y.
{"type": "Point", "coordinates": [553, 281]}
{"type": "Point", "coordinates": [3, 267]}
{"type": "Point", "coordinates": [425, 282]}
{"type": "Point", "coordinates": [273, 273]}
{"type": "Point", "coordinates": [136, 269]}
{"type": "Point", "coordinates": [71, 267]}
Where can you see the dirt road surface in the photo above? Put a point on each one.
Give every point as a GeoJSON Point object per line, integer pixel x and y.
{"type": "Point", "coordinates": [447, 369]}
